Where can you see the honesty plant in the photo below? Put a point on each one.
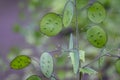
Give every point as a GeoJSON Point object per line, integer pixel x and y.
{"type": "Point", "coordinates": [53, 23]}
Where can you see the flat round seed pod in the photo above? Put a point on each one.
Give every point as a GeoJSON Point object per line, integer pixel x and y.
{"type": "Point", "coordinates": [96, 12]}
{"type": "Point", "coordinates": [51, 24]}
{"type": "Point", "coordinates": [46, 64]}
{"type": "Point", "coordinates": [97, 36]}
{"type": "Point", "coordinates": [117, 66]}
{"type": "Point", "coordinates": [68, 13]}
{"type": "Point", "coordinates": [20, 62]}
{"type": "Point", "coordinates": [33, 77]}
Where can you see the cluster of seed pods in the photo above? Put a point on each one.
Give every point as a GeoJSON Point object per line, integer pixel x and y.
{"type": "Point", "coordinates": [51, 25]}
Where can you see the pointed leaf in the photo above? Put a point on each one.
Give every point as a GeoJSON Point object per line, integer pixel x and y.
{"type": "Point", "coordinates": [88, 70]}
{"type": "Point", "coordinates": [71, 42]}
{"type": "Point", "coordinates": [75, 60]}
{"type": "Point", "coordinates": [82, 55]}
{"type": "Point", "coordinates": [46, 64]}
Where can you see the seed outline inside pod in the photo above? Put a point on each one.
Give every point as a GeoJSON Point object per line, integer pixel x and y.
{"type": "Point", "coordinates": [51, 24]}
{"type": "Point", "coordinates": [97, 36]}
{"type": "Point", "coordinates": [96, 12]}
{"type": "Point", "coordinates": [46, 64]}
{"type": "Point", "coordinates": [20, 62]}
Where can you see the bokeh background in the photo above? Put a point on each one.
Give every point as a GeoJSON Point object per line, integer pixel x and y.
{"type": "Point", "coordinates": [19, 34]}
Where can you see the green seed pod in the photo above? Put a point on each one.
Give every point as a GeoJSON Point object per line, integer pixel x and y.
{"type": "Point", "coordinates": [68, 13]}
{"type": "Point", "coordinates": [96, 12]}
{"type": "Point", "coordinates": [51, 24]}
{"type": "Point", "coordinates": [33, 77]}
{"type": "Point", "coordinates": [117, 66]}
{"type": "Point", "coordinates": [20, 62]}
{"type": "Point", "coordinates": [97, 36]}
{"type": "Point", "coordinates": [46, 64]}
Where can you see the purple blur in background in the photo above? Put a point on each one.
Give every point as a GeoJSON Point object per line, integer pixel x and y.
{"type": "Point", "coordinates": [9, 12]}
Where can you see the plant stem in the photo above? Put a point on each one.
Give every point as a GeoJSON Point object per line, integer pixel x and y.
{"type": "Point", "coordinates": [97, 58]}
{"type": "Point", "coordinates": [77, 38]}
{"type": "Point", "coordinates": [111, 55]}
{"type": "Point", "coordinates": [76, 24]}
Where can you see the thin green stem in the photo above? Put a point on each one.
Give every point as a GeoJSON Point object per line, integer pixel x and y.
{"type": "Point", "coordinates": [76, 24]}
{"type": "Point", "coordinates": [111, 55]}
{"type": "Point", "coordinates": [99, 66]}
{"type": "Point", "coordinates": [97, 58]}
{"type": "Point", "coordinates": [77, 38]}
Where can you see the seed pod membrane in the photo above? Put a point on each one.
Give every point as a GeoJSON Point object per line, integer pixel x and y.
{"type": "Point", "coordinates": [68, 13]}
{"type": "Point", "coordinates": [51, 24]}
{"type": "Point", "coordinates": [20, 62]}
{"type": "Point", "coordinates": [97, 36]}
{"type": "Point", "coordinates": [96, 12]}
{"type": "Point", "coordinates": [46, 64]}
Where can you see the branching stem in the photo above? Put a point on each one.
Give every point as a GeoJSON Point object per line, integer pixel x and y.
{"type": "Point", "coordinates": [99, 56]}
{"type": "Point", "coordinates": [79, 76]}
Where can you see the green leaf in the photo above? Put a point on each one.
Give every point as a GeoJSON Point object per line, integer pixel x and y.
{"type": "Point", "coordinates": [68, 13]}
{"type": "Point", "coordinates": [96, 12]}
{"type": "Point", "coordinates": [33, 77]}
{"type": "Point", "coordinates": [97, 36]}
{"type": "Point", "coordinates": [51, 24]}
{"type": "Point", "coordinates": [88, 70]}
{"type": "Point", "coordinates": [71, 41]}
{"type": "Point", "coordinates": [117, 66]}
{"type": "Point", "coordinates": [75, 60]}
{"type": "Point", "coordinates": [82, 55]}
{"type": "Point", "coordinates": [20, 62]}
{"type": "Point", "coordinates": [46, 64]}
